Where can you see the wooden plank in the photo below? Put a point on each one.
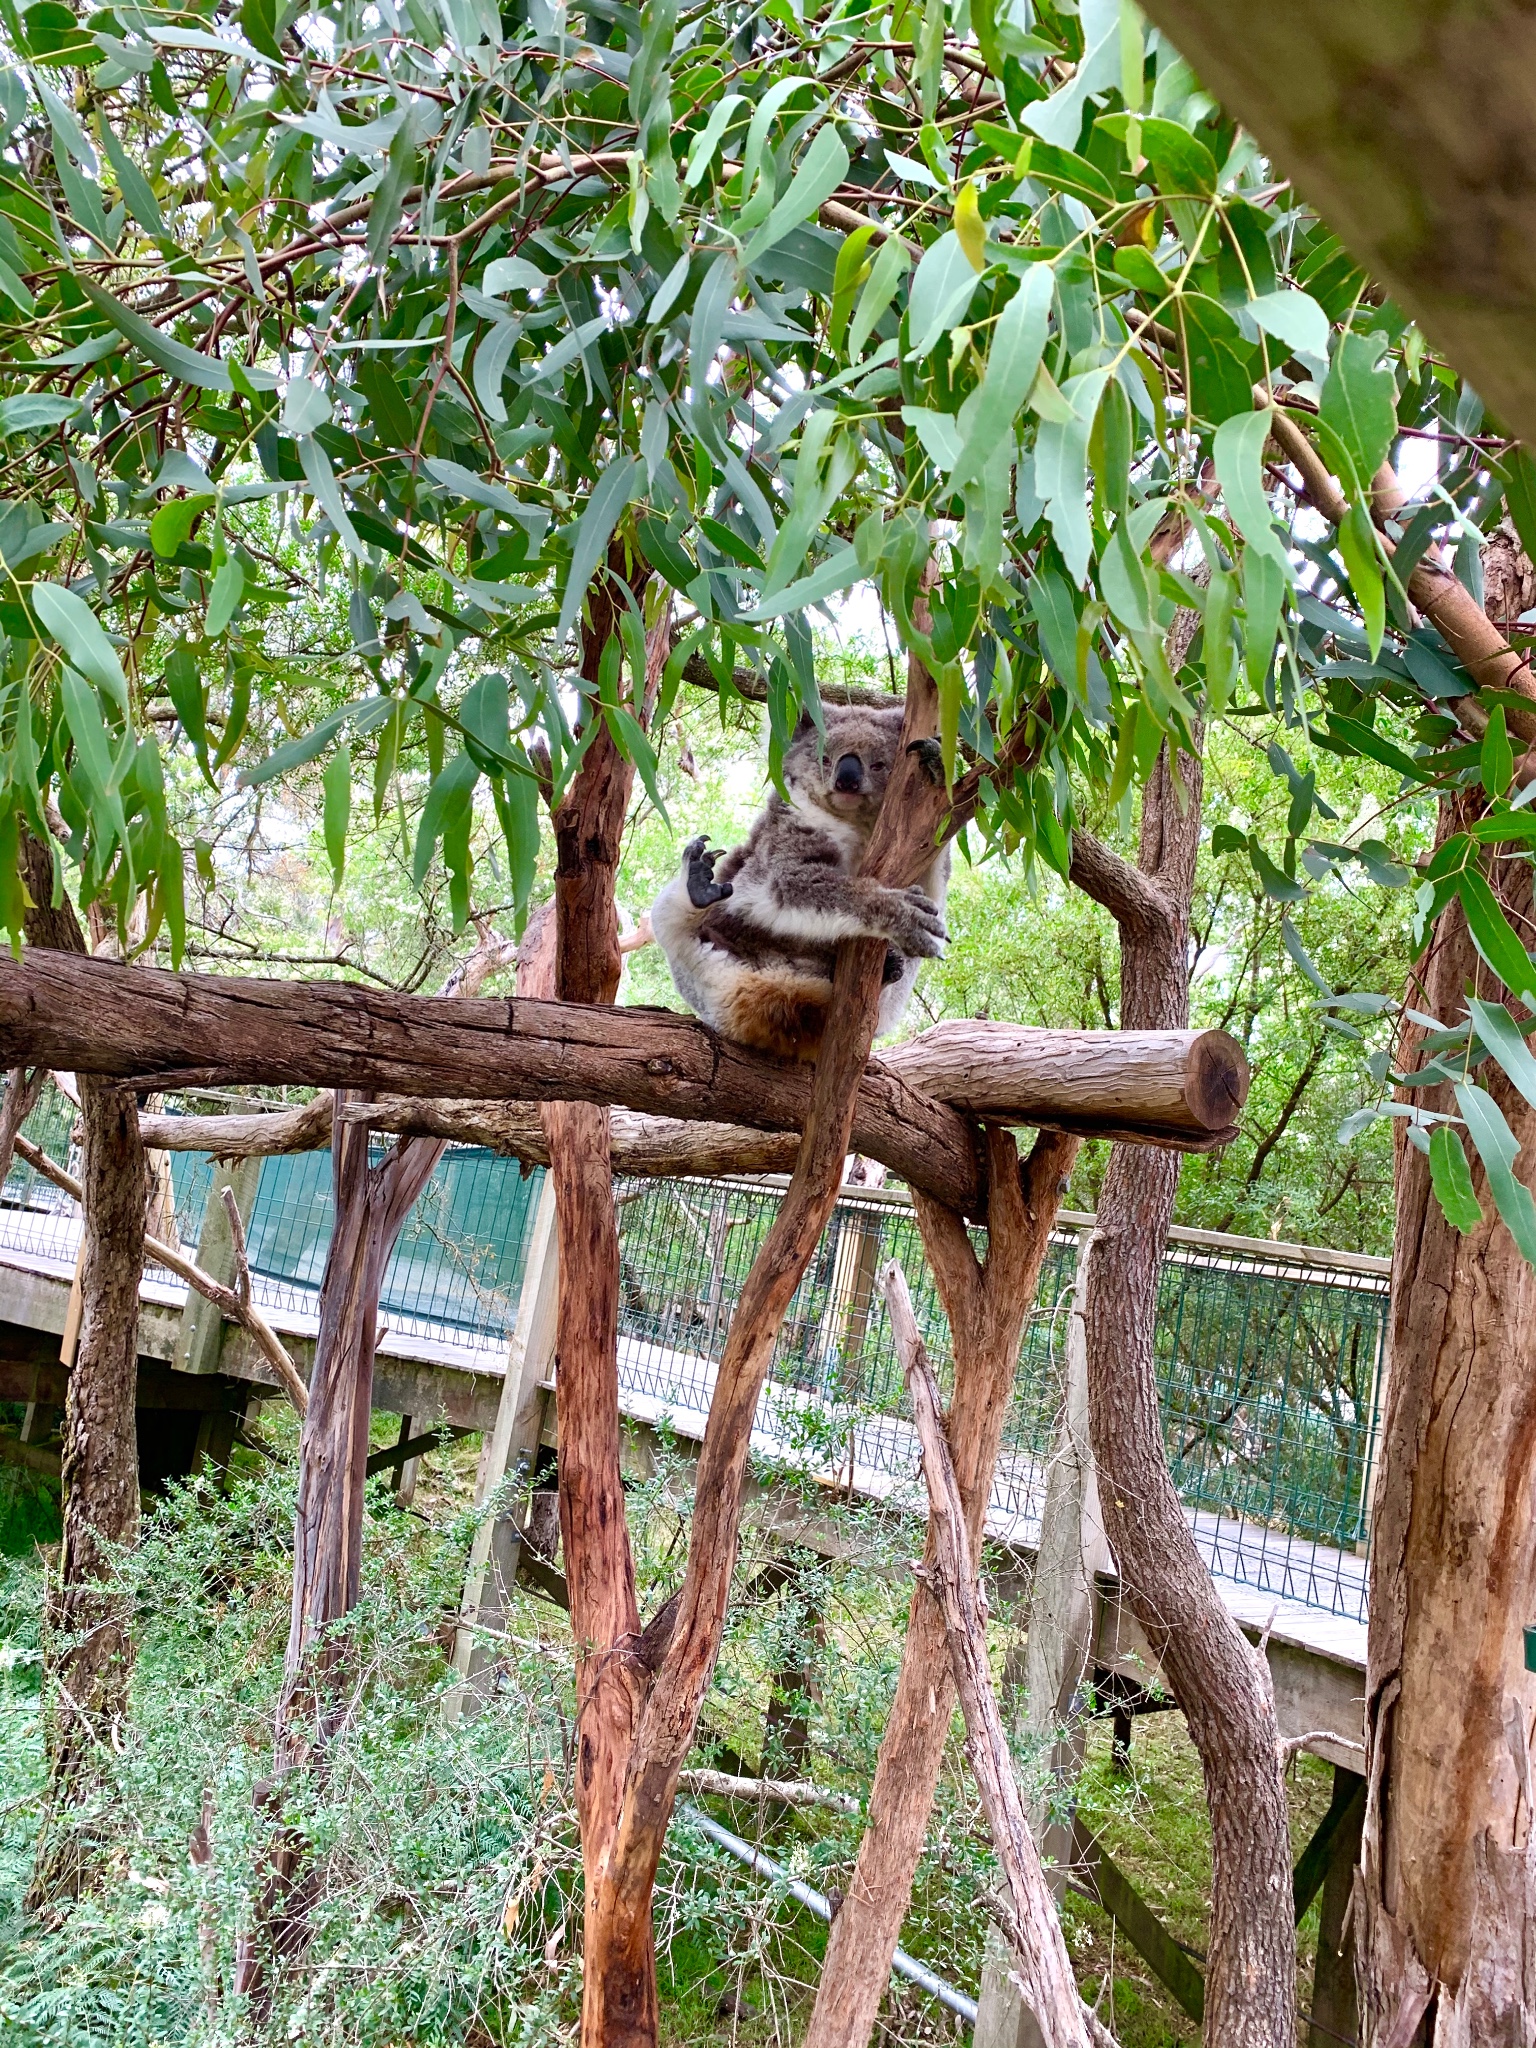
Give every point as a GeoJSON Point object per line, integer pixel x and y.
{"type": "Point", "coordinates": [1313, 1863]}
{"type": "Point", "coordinates": [412, 1447]}
{"type": "Point", "coordinates": [1138, 1923]}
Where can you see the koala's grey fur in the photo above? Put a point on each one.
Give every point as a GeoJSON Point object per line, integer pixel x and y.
{"type": "Point", "coordinates": [751, 941]}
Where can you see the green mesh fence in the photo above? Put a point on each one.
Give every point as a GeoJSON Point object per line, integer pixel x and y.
{"type": "Point", "coordinates": [1268, 1360]}
{"type": "Point", "coordinates": [1267, 1363]}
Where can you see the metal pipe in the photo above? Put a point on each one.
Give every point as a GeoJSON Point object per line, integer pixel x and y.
{"type": "Point", "coordinates": [814, 1902]}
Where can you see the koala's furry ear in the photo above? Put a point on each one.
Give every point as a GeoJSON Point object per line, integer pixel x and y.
{"type": "Point", "coordinates": [803, 724]}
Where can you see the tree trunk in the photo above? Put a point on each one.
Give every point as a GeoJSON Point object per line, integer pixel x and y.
{"type": "Point", "coordinates": [1221, 1684]}
{"type": "Point", "coordinates": [89, 1650]}
{"type": "Point", "coordinates": [986, 1305]}
{"type": "Point", "coordinates": [1445, 1898]}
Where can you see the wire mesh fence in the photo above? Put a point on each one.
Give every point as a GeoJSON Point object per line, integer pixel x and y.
{"type": "Point", "coordinates": [1269, 1358]}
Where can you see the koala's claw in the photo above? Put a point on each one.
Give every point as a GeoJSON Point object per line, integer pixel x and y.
{"type": "Point", "coordinates": [930, 758]}
{"type": "Point", "coordinates": [699, 865]}
{"type": "Point", "coordinates": [915, 927]}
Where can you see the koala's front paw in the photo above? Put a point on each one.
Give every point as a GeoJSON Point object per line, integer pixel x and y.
{"type": "Point", "coordinates": [930, 758]}
{"type": "Point", "coordinates": [915, 924]}
{"type": "Point", "coordinates": [699, 866]}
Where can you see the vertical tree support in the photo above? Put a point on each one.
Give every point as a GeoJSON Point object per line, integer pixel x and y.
{"type": "Point", "coordinates": [986, 1304]}
{"type": "Point", "coordinates": [89, 1649]}
{"type": "Point", "coordinates": [1224, 1689]}
{"type": "Point", "coordinates": [371, 1207]}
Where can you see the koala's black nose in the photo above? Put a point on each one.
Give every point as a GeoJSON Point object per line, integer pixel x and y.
{"type": "Point", "coordinates": [848, 776]}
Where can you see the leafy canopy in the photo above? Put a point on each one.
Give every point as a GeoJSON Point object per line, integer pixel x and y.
{"type": "Point", "coordinates": [708, 313]}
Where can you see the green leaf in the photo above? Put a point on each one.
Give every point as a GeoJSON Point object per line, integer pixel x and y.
{"type": "Point", "coordinates": [1356, 738]}
{"type": "Point", "coordinates": [632, 742]}
{"type": "Point", "coordinates": [612, 492]}
{"type": "Point", "coordinates": [1018, 343]}
{"type": "Point", "coordinates": [365, 712]}
{"type": "Point", "coordinates": [1498, 1150]}
{"type": "Point", "coordinates": [1451, 1178]}
{"type": "Point", "coordinates": [1359, 401]}
{"type": "Point", "coordinates": [321, 478]}
{"type": "Point", "coordinates": [840, 569]}
{"type": "Point", "coordinates": [1494, 936]}
{"type": "Point", "coordinates": [394, 422]}
{"type": "Point", "coordinates": [70, 620]}
{"type": "Point", "coordinates": [852, 271]}
{"type": "Point", "coordinates": [224, 598]}
{"type": "Point", "coordinates": [1301, 956]}
{"type": "Point", "coordinates": [1507, 1042]}
{"type": "Point", "coordinates": [184, 682]}
{"type": "Point", "coordinates": [1239, 456]}
{"type": "Point", "coordinates": [185, 365]}
{"type": "Point", "coordinates": [517, 806]}
{"type": "Point", "coordinates": [492, 354]}
{"type": "Point", "coordinates": [1220, 655]}
{"type": "Point", "coordinates": [452, 788]}
{"type": "Point", "coordinates": [28, 411]}
{"type": "Point", "coordinates": [1357, 544]}
{"type": "Point", "coordinates": [93, 746]}
{"type": "Point", "coordinates": [1221, 361]}
{"type": "Point", "coordinates": [1183, 164]}
{"type": "Point", "coordinates": [138, 193]}
{"type": "Point", "coordinates": [822, 169]}
{"type": "Point", "coordinates": [1050, 599]}
{"type": "Point", "coordinates": [172, 525]}
{"type": "Point", "coordinates": [890, 267]}
{"type": "Point", "coordinates": [707, 141]}
{"type": "Point", "coordinates": [1296, 319]}
{"type": "Point", "coordinates": [1520, 495]}
{"type": "Point", "coordinates": [1497, 763]}
{"type": "Point", "coordinates": [941, 289]}
{"type": "Point", "coordinates": [18, 294]}
{"type": "Point", "coordinates": [1061, 471]}
{"type": "Point", "coordinates": [1065, 171]}
{"type": "Point", "coordinates": [1277, 884]}
{"type": "Point", "coordinates": [337, 785]}
{"type": "Point", "coordinates": [258, 20]}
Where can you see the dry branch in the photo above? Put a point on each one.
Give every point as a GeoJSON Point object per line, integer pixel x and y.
{"type": "Point", "coordinates": [1045, 1970]}
{"type": "Point", "coordinates": [782, 1791]}
{"type": "Point", "coordinates": [235, 1302]}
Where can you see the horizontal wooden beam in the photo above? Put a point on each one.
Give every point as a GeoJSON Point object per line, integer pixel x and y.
{"type": "Point", "coordinates": [914, 1111]}
{"type": "Point", "coordinates": [159, 1030]}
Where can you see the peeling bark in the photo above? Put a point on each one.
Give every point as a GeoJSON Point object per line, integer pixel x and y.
{"type": "Point", "coordinates": [1445, 1897]}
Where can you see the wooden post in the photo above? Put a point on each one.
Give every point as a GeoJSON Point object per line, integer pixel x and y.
{"type": "Point", "coordinates": [1062, 1612]}
{"type": "Point", "coordinates": [514, 1438]}
{"type": "Point", "coordinates": [1335, 2010]}
{"type": "Point", "coordinates": [986, 1306]}
{"type": "Point", "coordinates": [200, 1339]}
{"type": "Point", "coordinates": [1043, 1969]}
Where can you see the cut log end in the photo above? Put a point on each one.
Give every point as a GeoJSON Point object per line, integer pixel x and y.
{"type": "Point", "coordinates": [1216, 1079]}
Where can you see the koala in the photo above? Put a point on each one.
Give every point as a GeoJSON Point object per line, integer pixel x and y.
{"type": "Point", "coordinates": [750, 935]}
